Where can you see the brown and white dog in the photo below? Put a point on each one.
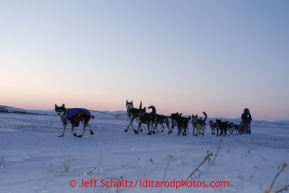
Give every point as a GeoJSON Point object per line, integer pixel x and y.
{"type": "Point", "coordinates": [213, 126]}
{"type": "Point", "coordinates": [199, 124]}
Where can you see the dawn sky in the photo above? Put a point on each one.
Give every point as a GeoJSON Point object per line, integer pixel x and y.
{"type": "Point", "coordinates": [185, 56]}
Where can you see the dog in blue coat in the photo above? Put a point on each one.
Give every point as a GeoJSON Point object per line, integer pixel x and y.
{"type": "Point", "coordinates": [74, 116]}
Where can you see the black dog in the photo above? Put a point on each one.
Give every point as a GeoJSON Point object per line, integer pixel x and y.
{"type": "Point", "coordinates": [146, 118]}
{"type": "Point", "coordinates": [161, 119]}
{"type": "Point", "coordinates": [222, 126]}
{"type": "Point", "coordinates": [174, 117]}
{"type": "Point", "coordinates": [180, 122]}
{"type": "Point", "coordinates": [183, 124]}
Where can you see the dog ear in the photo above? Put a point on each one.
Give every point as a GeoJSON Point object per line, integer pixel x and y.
{"type": "Point", "coordinates": [56, 106]}
{"type": "Point", "coordinates": [63, 105]}
{"type": "Point", "coordinates": [140, 105]}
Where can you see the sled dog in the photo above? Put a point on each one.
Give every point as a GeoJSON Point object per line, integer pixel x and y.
{"type": "Point", "coordinates": [146, 118]}
{"type": "Point", "coordinates": [175, 118]}
{"type": "Point", "coordinates": [234, 129]}
{"type": "Point", "coordinates": [161, 119]}
{"type": "Point", "coordinates": [74, 116]}
{"type": "Point", "coordinates": [132, 113]}
{"type": "Point", "coordinates": [199, 124]}
{"type": "Point", "coordinates": [223, 126]}
{"type": "Point", "coordinates": [213, 127]}
{"type": "Point", "coordinates": [180, 122]}
{"type": "Point", "coordinates": [183, 125]}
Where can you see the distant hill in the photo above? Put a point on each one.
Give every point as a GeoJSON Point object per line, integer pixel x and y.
{"type": "Point", "coordinates": [120, 114]}
{"type": "Point", "coordinates": [7, 109]}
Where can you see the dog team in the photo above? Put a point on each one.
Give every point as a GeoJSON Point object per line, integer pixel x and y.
{"type": "Point", "coordinates": [74, 116]}
{"type": "Point", "coordinates": [152, 120]}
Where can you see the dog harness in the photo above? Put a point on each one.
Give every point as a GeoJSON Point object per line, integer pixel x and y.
{"type": "Point", "coordinates": [74, 112]}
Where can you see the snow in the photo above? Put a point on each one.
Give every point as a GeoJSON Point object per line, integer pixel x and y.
{"type": "Point", "coordinates": [35, 159]}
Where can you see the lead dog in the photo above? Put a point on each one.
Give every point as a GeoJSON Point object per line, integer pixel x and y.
{"type": "Point", "coordinates": [132, 113]}
{"type": "Point", "coordinates": [74, 116]}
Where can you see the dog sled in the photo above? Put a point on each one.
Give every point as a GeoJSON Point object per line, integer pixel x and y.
{"type": "Point", "coordinates": [245, 127]}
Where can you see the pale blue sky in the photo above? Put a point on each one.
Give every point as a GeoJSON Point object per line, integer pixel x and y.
{"type": "Point", "coordinates": [182, 55]}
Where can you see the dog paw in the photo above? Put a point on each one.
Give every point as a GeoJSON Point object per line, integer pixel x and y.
{"type": "Point", "coordinates": [91, 132]}
{"type": "Point", "coordinates": [149, 133]}
{"type": "Point", "coordinates": [74, 134]}
{"type": "Point", "coordinates": [79, 136]}
{"type": "Point", "coordinates": [125, 130]}
{"type": "Point", "coordinates": [60, 136]}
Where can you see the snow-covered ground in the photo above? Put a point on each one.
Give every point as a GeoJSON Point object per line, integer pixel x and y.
{"type": "Point", "coordinates": [35, 159]}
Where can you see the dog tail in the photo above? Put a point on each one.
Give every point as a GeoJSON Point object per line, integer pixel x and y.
{"type": "Point", "coordinates": [154, 111]}
{"type": "Point", "coordinates": [206, 116]}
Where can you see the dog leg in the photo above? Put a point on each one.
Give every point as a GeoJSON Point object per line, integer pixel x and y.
{"type": "Point", "coordinates": [168, 126]}
{"type": "Point", "coordinates": [130, 123]}
{"type": "Point", "coordinates": [204, 131]}
{"type": "Point", "coordinates": [149, 127]}
{"type": "Point", "coordinates": [90, 130]}
{"type": "Point", "coordinates": [155, 128]}
{"type": "Point", "coordinates": [84, 123]}
{"type": "Point", "coordinates": [138, 122]}
{"type": "Point", "coordinates": [194, 131]}
{"type": "Point", "coordinates": [64, 128]}
{"type": "Point", "coordinates": [162, 129]}
{"type": "Point", "coordinates": [136, 131]}
{"type": "Point", "coordinates": [184, 131]}
{"type": "Point", "coordinates": [72, 131]}
{"type": "Point", "coordinates": [179, 130]}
